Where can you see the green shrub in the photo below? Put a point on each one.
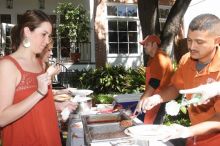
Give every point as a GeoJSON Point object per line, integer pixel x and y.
{"type": "Point", "coordinates": [111, 79]}
{"type": "Point", "coordinates": [103, 99]}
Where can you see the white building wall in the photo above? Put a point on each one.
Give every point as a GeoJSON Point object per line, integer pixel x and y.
{"type": "Point", "coordinates": [199, 7]}
{"type": "Point", "coordinates": [20, 6]}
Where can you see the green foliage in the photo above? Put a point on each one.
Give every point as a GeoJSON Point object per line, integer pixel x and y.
{"type": "Point", "coordinates": [103, 99]}
{"type": "Point", "coordinates": [111, 79]}
{"type": "Point", "coordinates": [74, 21]}
{"type": "Point", "coordinates": [181, 119]}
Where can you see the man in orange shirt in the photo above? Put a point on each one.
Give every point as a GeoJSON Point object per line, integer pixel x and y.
{"type": "Point", "coordinates": [200, 66]}
{"type": "Point", "coordinates": [158, 76]}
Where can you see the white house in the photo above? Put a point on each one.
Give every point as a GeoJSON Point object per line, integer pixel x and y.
{"type": "Point", "coordinates": [114, 36]}
{"type": "Point", "coordinates": [199, 7]}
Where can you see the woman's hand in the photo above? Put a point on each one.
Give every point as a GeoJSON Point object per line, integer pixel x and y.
{"type": "Point", "coordinates": [53, 70]}
{"type": "Point", "coordinates": [43, 81]}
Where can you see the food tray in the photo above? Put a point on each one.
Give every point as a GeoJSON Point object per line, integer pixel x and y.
{"type": "Point", "coordinates": [104, 127]}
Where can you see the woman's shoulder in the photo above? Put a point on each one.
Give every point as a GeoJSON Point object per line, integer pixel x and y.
{"type": "Point", "coordinates": [7, 64]}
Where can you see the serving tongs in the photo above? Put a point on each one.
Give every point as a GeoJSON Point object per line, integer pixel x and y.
{"type": "Point", "coordinates": [194, 100]}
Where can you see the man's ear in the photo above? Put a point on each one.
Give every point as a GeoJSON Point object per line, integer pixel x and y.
{"type": "Point", "coordinates": [155, 45]}
{"type": "Point", "coordinates": [26, 31]}
{"type": "Point", "coordinates": [217, 40]}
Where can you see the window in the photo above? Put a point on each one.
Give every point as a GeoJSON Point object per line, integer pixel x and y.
{"type": "Point", "coordinates": [5, 18]}
{"type": "Point", "coordinates": [163, 13]}
{"type": "Point", "coordinates": [122, 29]}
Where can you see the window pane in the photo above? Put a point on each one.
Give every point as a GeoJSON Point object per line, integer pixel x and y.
{"type": "Point", "coordinates": [113, 48]}
{"type": "Point", "coordinates": [112, 26]}
{"type": "Point", "coordinates": [164, 13]}
{"type": "Point", "coordinates": [113, 37]}
{"type": "Point", "coordinates": [132, 36]}
{"type": "Point", "coordinates": [112, 10]}
{"type": "Point", "coordinates": [123, 48]}
{"type": "Point", "coordinates": [123, 37]}
{"type": "Point", "coordinates": [162, 25]}
{"type": "Point", "coordinates": [121, 10]}
{"type": "Point", "coordinates": [65, 47]}
{"type": "Point", "coordinates": [132, 11]}
{"type": "Point", "coordinates": [19, 18]}
{"type": "Point", "coordinates": [5, 18]}
{"type": "Point", "coordinates": [53, 18]}
{"type": "Point", "coordinates": [122, 25]}
{"type": "Point", "coordinates": [133, 48]}
{"type": "Point", "coordinates": [132, 26]}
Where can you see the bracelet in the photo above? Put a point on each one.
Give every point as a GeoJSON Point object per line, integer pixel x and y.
{"type": "Point", "coordinates": [40, 93]}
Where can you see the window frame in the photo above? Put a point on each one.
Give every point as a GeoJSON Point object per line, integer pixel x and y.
{"type": "Point", "coordinates": [163, 20]}
{"type": "Point", "coordinates": [126, 19]}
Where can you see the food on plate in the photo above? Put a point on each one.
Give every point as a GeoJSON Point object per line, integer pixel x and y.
{"type": "Point", "coordinates": [117, 107]}
{"type": "Point", "coordinates": [126, 123]}
{"type": "Point", "coordinates": [104, 108]}
{"type": "Point", "coordinates": [62, 97]}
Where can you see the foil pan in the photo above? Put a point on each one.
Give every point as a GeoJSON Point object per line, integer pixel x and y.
{"type": "Point", "coordinates": [104, 127]}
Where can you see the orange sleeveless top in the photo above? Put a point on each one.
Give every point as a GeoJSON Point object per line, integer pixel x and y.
{"type": "Point", "coordinates": [39, 126]}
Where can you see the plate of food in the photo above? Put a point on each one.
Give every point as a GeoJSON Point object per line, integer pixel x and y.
{"type": "Point", "coordinates": [151, 132]}
{"type": "Point", "coordinates": [62, 97]}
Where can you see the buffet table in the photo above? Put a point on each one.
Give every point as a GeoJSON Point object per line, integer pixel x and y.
{"type": "Point", "coordinates": [76, 136]}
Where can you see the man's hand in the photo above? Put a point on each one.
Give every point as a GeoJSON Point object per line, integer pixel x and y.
{"type": "Point", "coordinates": [207, 91]}
{"type": "Point", "coordinates": [148, 103]}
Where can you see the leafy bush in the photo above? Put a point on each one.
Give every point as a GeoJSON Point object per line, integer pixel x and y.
{"type": "Point", "coordinates": [103, 99]}
{"type": "Point", "coordinates": [111, 79]}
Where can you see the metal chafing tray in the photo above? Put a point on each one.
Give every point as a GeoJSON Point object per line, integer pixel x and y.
{"type": "Point", "coordinates": [104, 127]}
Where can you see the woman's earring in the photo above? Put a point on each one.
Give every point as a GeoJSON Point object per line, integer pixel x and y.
{"type": "Point", "coordinates": [26, 43]}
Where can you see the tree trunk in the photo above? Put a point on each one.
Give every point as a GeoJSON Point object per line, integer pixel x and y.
{"type": "Point", "coordinates": [172, 24]}
{"type": "Point", "coordinates": [148, 15]}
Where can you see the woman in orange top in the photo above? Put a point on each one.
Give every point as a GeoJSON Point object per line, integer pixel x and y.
{"type": "Point", "coordinates": [27, 110]}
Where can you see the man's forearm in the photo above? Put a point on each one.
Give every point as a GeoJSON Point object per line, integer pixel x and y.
{"type": "Point", "coordinates": [149, 91]}
{"type": "Point", "coordinates": [206, 127]}
{"type": "Point", "coordinates": [169, 93]}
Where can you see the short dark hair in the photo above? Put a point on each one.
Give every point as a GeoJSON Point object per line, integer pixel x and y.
{"type": "Point", "coordinates": [31, 19]}
{"type": "Point", "coordinates": [206, 22]}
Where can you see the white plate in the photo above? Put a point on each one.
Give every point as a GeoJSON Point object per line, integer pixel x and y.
{"type": "Point", "coordinates": [152, 132]}
{"type": "Point", "coordinates": [80, 99]}
{"type": "Point", "coordinates": [72, 89]}
{"type": "Point", "coordinates": [82, 92]}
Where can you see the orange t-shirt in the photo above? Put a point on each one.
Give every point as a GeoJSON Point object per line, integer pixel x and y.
{"type": "Point", "coordinates": [39, 126]}
{"type": "Point", "coordinates": [159, 67]}
{"type": "Point", "coordinates": [187, 77]}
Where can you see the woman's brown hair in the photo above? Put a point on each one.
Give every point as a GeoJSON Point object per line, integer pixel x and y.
{"type": "Point", "coordinates": [31, 19]}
